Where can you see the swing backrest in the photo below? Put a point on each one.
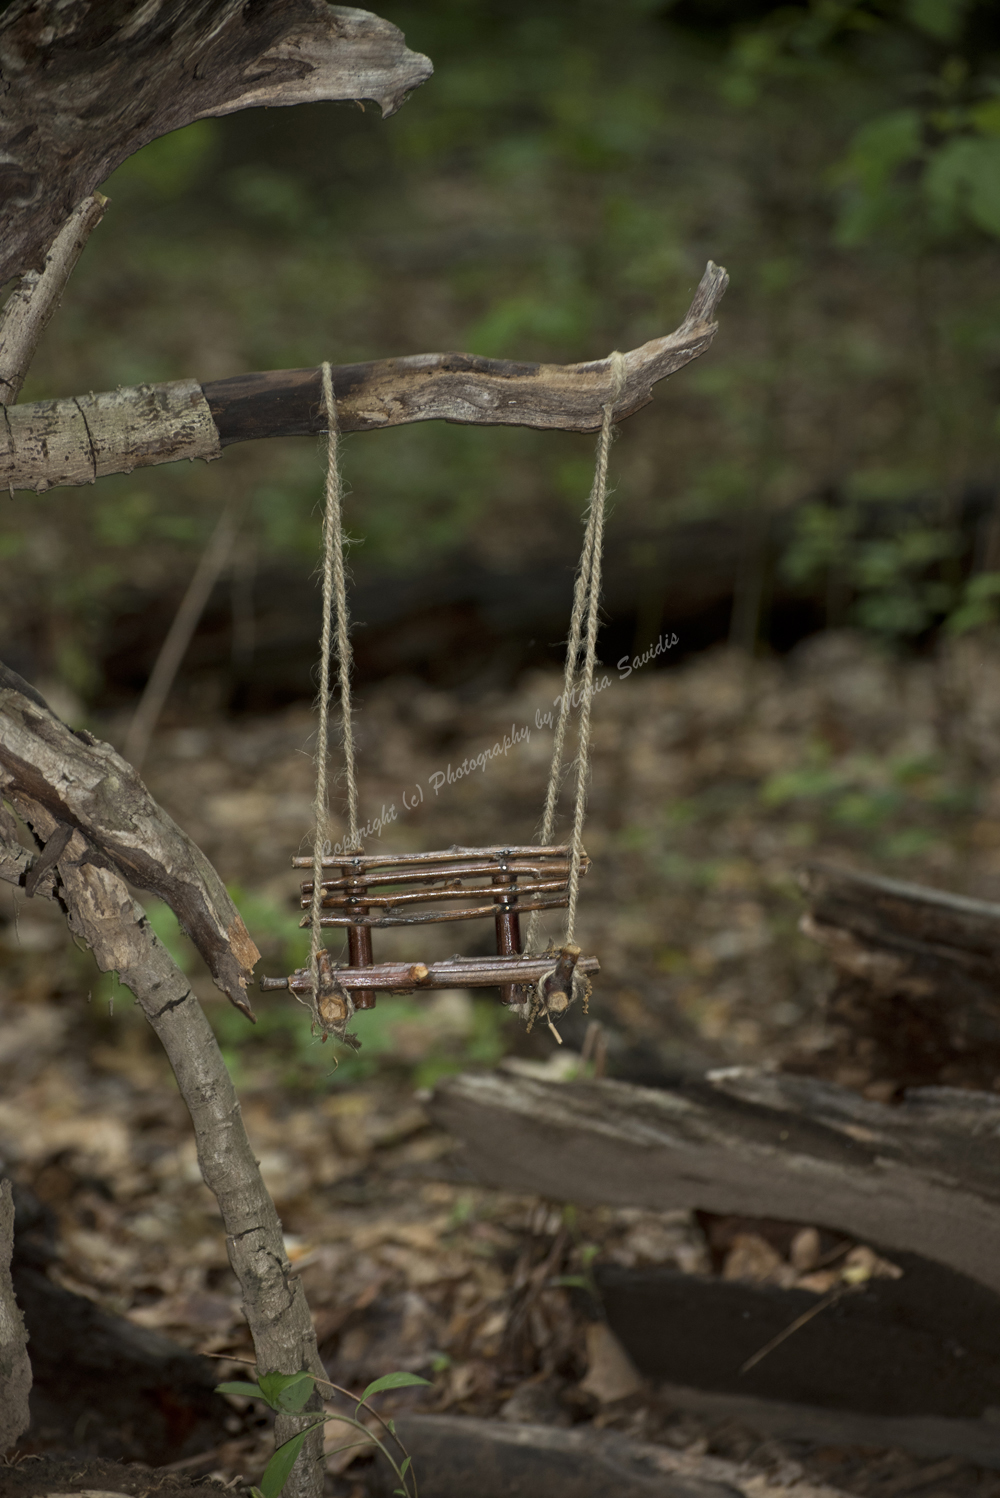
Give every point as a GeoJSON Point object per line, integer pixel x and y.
{"type": "Point", "coordinates": [390, 889]}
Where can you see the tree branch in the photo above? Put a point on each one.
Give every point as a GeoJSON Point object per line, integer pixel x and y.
{"type": "Point", "coordinates": [87, 85]}
{"type": "Point", "coordinates": [28, 309]}
{"type": "Point", "coordinates": [68, 442]}
{"type": "Point", "coordinates": [101, 911]}
{"type": "Point", "coordinates": [84, 784]}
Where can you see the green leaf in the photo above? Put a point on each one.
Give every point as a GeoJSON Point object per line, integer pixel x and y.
{"type": "Point", "coordinates": [392, 1381]}
{"type": "Point", "coordinates": [249, 1391]}
{"type": "Point", "coordinates": [390, 1426]}
{"type": "Point", "coordinates": [278, 1469]}
{"type": "Point", "coordinates": [963, 176]}
{"type": "Point", "coordinates": [287, 1391]}
{"type": "Point", "coordinates": [405, 1467]}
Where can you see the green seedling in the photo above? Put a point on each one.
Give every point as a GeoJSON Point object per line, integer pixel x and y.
{"type": "Point", "coordinates": [289, 1393]}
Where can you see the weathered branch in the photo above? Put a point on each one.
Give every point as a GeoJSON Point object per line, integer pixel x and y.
{"type": "Point", "coordinates": [29, 308]}
{"type": "Point", "coordinates": [76, 441]}
{"type": "Point", "coordinates": [84, 86]}
{"type": "Point", "coordinates": [918, 996]}
{"type": "Point", "coordinates": [102, 912]}
{"type": "Point", "coordinates": [86, 785]}
{"type": "Point", "coordinates": [922, 1176]}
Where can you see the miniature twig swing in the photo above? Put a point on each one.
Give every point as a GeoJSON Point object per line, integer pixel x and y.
{"type": "Point", "coordinates": [378, 890]}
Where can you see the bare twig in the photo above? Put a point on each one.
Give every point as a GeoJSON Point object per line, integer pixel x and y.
{"type": "Point", "coordinates": [174, 648]}
{"type": "Point", "coordinates": [794, 1326]}
{"type": "Point", "coordinates": [29, 307]}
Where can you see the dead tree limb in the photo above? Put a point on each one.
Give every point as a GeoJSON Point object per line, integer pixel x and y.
{"type": "Point", "coordinates": [28, 309]}
{"type": "Point", "coordinates": [75, 441]}
{"type": "Point", "coordinates": [86, 785]}
{"type": "Point", "coordinates": [100, 910]}
{"type": "Point", "coordinates": [84, 86]}
{"type": "Point", "coordinates": [922, 1176]}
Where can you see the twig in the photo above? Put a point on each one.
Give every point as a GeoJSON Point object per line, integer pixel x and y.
{"type": "Point", "coordinates": [28, 308]}
{"type": "Point", "coordinates": [828, 1300]}
{"type": "Point", "coordinates": [174, 647]}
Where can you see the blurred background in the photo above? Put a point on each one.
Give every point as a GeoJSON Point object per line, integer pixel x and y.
{"type": "Point", "coordinates": [804, 554]}
{"type": "Point", "coordinates": [806, 522]}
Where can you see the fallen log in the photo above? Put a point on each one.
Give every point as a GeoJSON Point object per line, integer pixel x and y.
{"type": "Point", "coordinates": [456, 1456]}
{"type": "Point", "coordinates": [921, 1176]}
{"type": "Point", "coordinates": [917, 999]}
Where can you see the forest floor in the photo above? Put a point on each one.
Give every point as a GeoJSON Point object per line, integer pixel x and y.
{"type": "Point", "coordinates": [712, 783]}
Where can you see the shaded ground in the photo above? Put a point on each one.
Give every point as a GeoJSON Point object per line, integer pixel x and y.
{"type": "Point", "coordinates": [711, 783]}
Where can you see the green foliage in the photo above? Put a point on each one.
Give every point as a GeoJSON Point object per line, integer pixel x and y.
{"type": "Point", "coordinates": [894, 563]}
{"type": "Point", "coordinates": [552, 193]}
{"type": "Point", "coordinates": [289, 1393]}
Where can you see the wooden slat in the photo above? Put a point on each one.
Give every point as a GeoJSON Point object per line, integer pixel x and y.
{"type": "Point", "coordinates": [542, 868]}
{"type": "Point", "coordinates": [436, 916]}
{"type": "Point", "coordinates": [413, 897]}
{"type": "Point", "coordinates": [386, 860]}
{"type": "Point", "coordinates": [454, 972]}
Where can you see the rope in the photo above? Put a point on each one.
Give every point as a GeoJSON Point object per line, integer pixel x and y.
{"type": "Point", "coordinates": [586, 600]}
{"type": "Point", "coordinates": [334, 594]}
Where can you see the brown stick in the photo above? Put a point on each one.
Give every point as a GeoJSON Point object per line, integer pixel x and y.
{"type": "Point", "coordinates": [430, 918]}
{"type": "Point", "coordinates": [28, 309]}
{"type": "Point", "coordinates": [550, 869]}
{"type": "Point", "coordinates": [68, 442]}
{"type": "Point", "coordinates": [174, 648]}
{"type": "Point", "coordinates": [455, 972]}
{"type": "Point", "coordinates": [336, 899]}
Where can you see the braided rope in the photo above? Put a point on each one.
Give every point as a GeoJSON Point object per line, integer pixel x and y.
{"type": "Point", "coordinates": [334, 600]}
{"type": "Point", "coordinates": [586, 602]}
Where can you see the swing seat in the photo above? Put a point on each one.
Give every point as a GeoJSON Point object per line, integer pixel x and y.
{"type": "Point", "coordinates": [370, 891]}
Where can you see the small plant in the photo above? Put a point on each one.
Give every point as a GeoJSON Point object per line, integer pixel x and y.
{"type": "Point", "coordinates": [288, 1394]}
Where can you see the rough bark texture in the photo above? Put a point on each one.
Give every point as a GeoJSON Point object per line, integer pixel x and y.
{"type": "Point", "coordinates": [74, 441]}
{"type": "Point", "coordinates": [85, 85]}
{"type": "Point", "coordinates": [922, 1176]}
{"type": "Point", "coordinates": [28, 309]}
{"type": "Point", "coordinates": [918, 993]}
{"type": "Point", "coordinates": [102, 912]}
{"type": "Point", "coordinates": [79, 440]}
{"type": "Point", "coordinates": [15, 1370]}
{"type": "Point", "coordinates": [84, 784]}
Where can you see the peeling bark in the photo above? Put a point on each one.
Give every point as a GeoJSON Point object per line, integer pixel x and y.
{"type": "Point", "coordinates": [85, 784]}
{"type": "Point", "coordinates": [67, 442]}
{"type": "Point", "coordinates": [85, 85]}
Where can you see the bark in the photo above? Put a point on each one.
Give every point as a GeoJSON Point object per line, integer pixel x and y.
{"type": "Point", "coordinates": [15, 1370]}
{"type": "Point", "coordinates": [75, 441]}
{"type": "Point", "coordinates": [918, 993]}
{"type": "Point", "coordinates": [28, 310]}
{"type": "Point", "coordinates": [85, 85]}
{"type": "Point", "coordinates": [84, 784]}
{"type": "Point", "coordinates": [101, 911]}
{"type": "Point", "coordinates": [921, 1176]}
